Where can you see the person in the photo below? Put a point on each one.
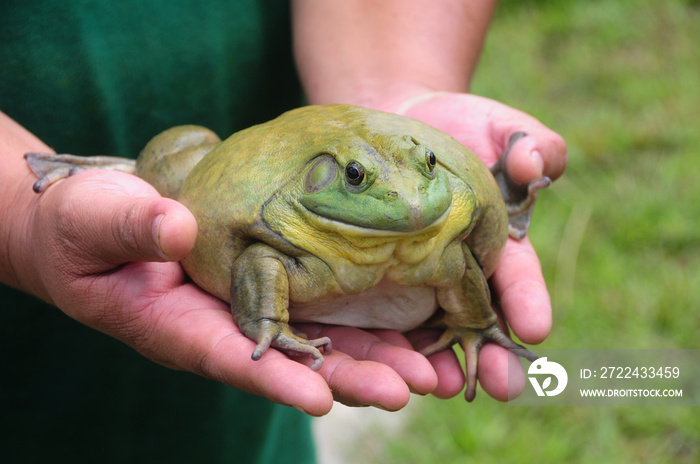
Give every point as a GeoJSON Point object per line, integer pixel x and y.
{"type": "Point", "coordinates": [103, 247]}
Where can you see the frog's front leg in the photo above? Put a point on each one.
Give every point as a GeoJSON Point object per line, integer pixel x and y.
{"type": "Point", "coordinates": [468, 316]}
{"type": "Point", "coordinates": [519, 198]}
{"type": "Point", "coordinates": [260, 304]}
{"type": "Point", "coordinates": [49, 167]}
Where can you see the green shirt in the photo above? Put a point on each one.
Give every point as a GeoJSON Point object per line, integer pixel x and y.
{"type": "Point", "coordinates": [91, 77]}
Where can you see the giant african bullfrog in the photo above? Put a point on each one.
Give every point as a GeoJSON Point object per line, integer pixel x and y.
{"type": "Point", "coordinates": [336, 214]}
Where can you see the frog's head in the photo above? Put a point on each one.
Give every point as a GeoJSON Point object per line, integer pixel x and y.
{"type": "Point", "coordinates": [378, 183]}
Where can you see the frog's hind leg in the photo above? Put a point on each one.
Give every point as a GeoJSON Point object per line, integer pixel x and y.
{"type": "Point", "coordinates": [291, 341]}
{"type": "Point", "coordinates": [49, 167]}
{"type": "Point", "coordinates": [469, 319]}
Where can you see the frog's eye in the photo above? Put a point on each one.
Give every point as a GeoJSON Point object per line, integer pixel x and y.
{"type": "Point", "coordinates": [354, 173]}
{"type": "Point", "coordinates": [430, 160]}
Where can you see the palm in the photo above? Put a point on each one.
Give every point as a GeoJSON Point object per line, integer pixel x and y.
{"type": "Point", "coordinates": [179, 325]}
{"type": "Point", "coordinates": [485, 126]}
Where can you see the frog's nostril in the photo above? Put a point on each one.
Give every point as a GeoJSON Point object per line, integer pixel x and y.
{"type": "Point", "coordinates": [393, 195]}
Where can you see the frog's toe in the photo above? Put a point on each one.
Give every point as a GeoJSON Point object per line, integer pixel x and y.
{"type": "Point", "coordinates": [495, 334]}
{"type": "Point", "coordinates": [284, 338]}
{"type": "Point", "coordinates": [299, 346]}
{"type": "Point", "coordinates": [519, 198]}
{"type": "Point", "coordinates": [520, 211]}
{"type": "Point", "coordinates": [49, 167]}
{"type": "Point", "coordinates": [448, 338]}
{"type": "Point", "coordinates": [471, 341]}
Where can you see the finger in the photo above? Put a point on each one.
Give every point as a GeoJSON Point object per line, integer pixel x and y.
{"type": "Point", "coordinates": [486, 126]}
{"type": "Point", "coordinates": [274, 376]}
{"type": "Point", "coordinates": [447, 367]}
{"type": "Point", "coordinates": [494, 374]}
{"type": "Point", "coordinates": [397, 352]}
{"type": "Point", "coordinates": [542, 152]}
{"type": "Point", "coordinates": [204, 339]}
{"type": "Point", "coordinates": [364, 383]}
{"type": "Point", "coordinates": [521, 289]}
{"type": "Point", "coordinates": [110, 218]}
{"type": "Point", "coordinates": [387, 347]}
{"type": "Point", "coordinates": [352, 382]}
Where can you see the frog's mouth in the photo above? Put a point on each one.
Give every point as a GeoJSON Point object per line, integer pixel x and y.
{"type": "Point", "coordinates": [339, 226]}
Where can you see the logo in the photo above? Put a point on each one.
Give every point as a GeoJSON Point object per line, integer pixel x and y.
{"type": "Point", "coordinates": [549, 368]}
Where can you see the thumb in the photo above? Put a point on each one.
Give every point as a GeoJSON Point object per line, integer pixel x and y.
{"type": "Point", "coordinates": [141, 229]}
{"type": "Point", "coordinates": [99, 220]}
{"type": "Point", "coordinates": [534, 151]}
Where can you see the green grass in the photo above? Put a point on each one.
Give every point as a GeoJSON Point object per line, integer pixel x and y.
{"type": "Point", "coordinates": [618, 235]}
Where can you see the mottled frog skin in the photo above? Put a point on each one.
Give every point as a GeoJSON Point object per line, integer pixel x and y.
{"type": "Point", "coordinates": [336, 214]}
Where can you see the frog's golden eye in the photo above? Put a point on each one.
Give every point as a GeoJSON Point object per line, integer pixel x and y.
{"type": "Point", "coordinates": [354, 173]}
{"type": "Point", "coordinates": [430, 160]}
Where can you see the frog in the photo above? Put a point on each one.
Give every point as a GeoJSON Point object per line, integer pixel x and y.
{"type": "Point", "coordinates": [337, 214]}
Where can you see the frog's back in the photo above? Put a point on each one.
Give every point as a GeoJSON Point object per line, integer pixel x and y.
{"type": "Point", "coordinates": [229, 188]}
{"type": "Point", "coordinates": [169, 157]}
{"type": "Point", "coordinates": [246, 170]}
{"type": "Point", "coordinates": [242, 173]}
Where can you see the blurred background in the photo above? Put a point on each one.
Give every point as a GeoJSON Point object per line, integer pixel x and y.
{"type": "Point", "coordinates": [618, 234]}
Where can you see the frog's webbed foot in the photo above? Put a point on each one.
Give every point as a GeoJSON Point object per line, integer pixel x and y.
{"type": "Point", "coordinates": [280, 335]}
{"type": "Point", "coordinates": [471, 341]}
{"type": "Point", "coordinates": [49, 167]}
{"type": "Point", "coordinates": [519, 198]}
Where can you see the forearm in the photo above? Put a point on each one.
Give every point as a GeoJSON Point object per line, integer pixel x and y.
{"type": "Point", "coordinates": [378, 53]}
{"type": "Point", "coordinates": [16, 198]}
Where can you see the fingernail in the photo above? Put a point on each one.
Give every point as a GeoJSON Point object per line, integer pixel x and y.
{"type": "Point", "coordinates": [538, 162]}
{"type": "Point", "coordinates": [299, 408]}
{"type": "Point", "coordinates": [155, 231]}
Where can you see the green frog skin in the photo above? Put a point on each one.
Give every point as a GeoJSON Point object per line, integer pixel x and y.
{"type": "Point", "coordinates": [340, 215]}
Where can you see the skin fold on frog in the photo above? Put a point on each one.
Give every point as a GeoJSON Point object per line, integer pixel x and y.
{"type": "Point", "coordinates": [340, 215]}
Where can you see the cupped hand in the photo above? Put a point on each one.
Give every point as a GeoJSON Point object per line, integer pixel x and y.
{"type": "Point", "coordinates": [486, 126]}
{"type": "Point", "coordinates": [104, 247]}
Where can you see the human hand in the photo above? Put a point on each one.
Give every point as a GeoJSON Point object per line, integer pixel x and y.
{"type": "Point", "coordinates": [486, 126]}
{"type": "Point", "coordinates": [103, 247]}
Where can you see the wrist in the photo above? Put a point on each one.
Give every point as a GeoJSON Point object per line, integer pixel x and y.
{"type": "Point", "coordinates": [392, 97]}
{"type": "Point", "coordinates": [17, 268]}
{"type": "Point", "coordinates": [18, 202]}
